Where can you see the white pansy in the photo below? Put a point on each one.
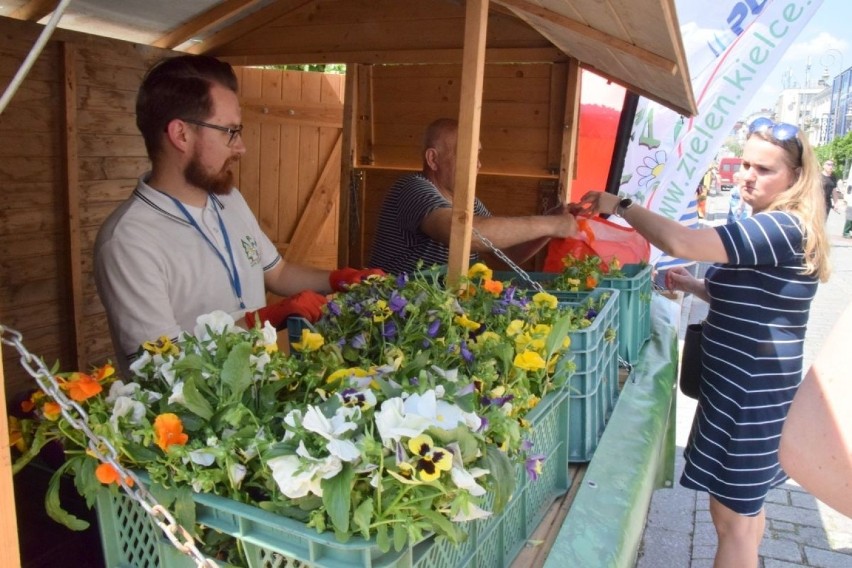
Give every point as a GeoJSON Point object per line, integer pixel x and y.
{"type": "Point", "coordinates": [218, 321]}
{"type": "Point", "coordinates": [467, 480]}
{"type": "Point", "coordinates": [118, 388]}
{"type": "Point", "coordinates": [393, 423]}
{"type": "Point", "coordinates": [440, 412]}
{"type": "Point", "coordinates": [301, 474]}
{"type": "Point", "coordinates": [177, 394]}
{"type": "Point", "coordinates": [140, 362]}
{"type": "Point", "coordinates": [168, 372]}
{"type": "Point", "coordinates": [293, 418]}
{"type": "Point", "coordinates": [236, 473]}
{"type": "Point", "coordinates": [450, 375]}
{"type": "Point", "coordinates": [259, 362]}
{"type": "Point", "coordinates": [331, 429]}
{"type": "Point", "coordinates": [126, 407]}
{"type": "Point", "coordinates": [269, 335]}
{"type": "Point", "coordinates": [205, 457]}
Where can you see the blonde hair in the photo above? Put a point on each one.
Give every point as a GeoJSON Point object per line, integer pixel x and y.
{"type": "Point", "coordinates": [805, 199]}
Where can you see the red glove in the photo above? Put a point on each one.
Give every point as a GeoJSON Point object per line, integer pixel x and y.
{"type": "Point", "coordinates": [342, 278]}
{"type": "Point", "coordinates": [307, 304]}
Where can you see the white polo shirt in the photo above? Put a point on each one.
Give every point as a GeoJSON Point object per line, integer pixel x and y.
{"type": "Point", "coordinates": [156, 273]}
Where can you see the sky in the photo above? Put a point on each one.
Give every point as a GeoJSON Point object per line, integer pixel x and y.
{"type": "Point", "coordinates": [825, 42]}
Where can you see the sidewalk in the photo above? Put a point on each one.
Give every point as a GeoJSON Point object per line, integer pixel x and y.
{"type": "Point", "coordinates": [800, 531]}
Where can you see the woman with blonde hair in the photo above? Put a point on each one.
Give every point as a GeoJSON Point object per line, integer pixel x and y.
{"type": "Point", "coordinates": [765, 273]}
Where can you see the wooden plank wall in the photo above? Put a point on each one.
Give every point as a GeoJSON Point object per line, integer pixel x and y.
{"type": "Point", "coordinates": [63, 168]}
{"type": "Point", "coordinates": [291, 121]}
{"type": "Point", "coordinates": [522, 123]}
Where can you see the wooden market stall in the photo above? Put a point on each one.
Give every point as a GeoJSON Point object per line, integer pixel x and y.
{"type": "Point", "coordinates": [322, 149]}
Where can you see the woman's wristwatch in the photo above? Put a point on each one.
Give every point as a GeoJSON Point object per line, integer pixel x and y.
{"type": "Point", "coordinates": [622, 207]}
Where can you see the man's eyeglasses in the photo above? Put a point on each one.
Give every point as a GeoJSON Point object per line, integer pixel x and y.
{"type": "Point", "coordinates": [232, 132]}
{"type": "Point", "coordinates": [781, 131]}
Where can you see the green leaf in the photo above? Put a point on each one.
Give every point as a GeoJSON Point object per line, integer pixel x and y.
{"type": "Point", "coordinates": [54, 507]}
{"type": "Point", "coordinates": [363, 517]}
{"type": "Point", "coordinates": [382, 538]}
{"type": "Point", "coordinates": [442, 524]}
{"type": "Point", "coordinates": [195, 402]}
{"type": "Point", "coordinates": [139, 453]}
{"type": "Point", "coordinates": [85, 481]}
{"type": "Point", "coordinates": [557, 335]}
{"type": "Point", "coordinates": [400, 535]}
{"type": "Point", "coordinates": [236, 371]}
{"type": "Point", "coordinates": [336, 496]}
{"type": "Point", "coordinates": [184, 509]}
{"type": "Point", "coordinates": [503, 475]}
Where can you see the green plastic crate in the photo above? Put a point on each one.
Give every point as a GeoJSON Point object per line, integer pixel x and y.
{"type": "Point", "coordinates": [496, 541]}
{"type": "Point", "coordinates": [634, 323]}
{"type": "Point", "coordinates": [593, 388]}
{"type": "Point", "coordinates": [591, 399]}
{"type": "Point", "coordinates": [131, 539]}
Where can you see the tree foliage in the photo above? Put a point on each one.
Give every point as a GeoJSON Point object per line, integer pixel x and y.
{"type": "Point", "coordinates": [839, 150]}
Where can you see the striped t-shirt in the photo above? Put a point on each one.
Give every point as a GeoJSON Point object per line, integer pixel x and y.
{"type": "Point", "coordinates": [752, 360]}
{"type": "Point", "coordinates": [399, 243]}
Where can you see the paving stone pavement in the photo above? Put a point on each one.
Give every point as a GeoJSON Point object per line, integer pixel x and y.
{"type": "Point", "coordinates": [800, 531]}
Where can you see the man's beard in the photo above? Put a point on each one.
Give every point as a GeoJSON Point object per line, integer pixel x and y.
{"type": "Point", "coordinates": [219, 183]}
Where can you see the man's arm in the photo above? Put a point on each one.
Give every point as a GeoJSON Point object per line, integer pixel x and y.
{"type": "Point", "coordinates": [287, 278]}
{"type": "Point", "coordinates": [518, 237]}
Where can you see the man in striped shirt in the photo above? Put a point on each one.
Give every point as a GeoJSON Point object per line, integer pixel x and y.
{"type": "Point", "coordinates": [416, 216]}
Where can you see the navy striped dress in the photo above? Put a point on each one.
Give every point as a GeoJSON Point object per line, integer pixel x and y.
{"type": "Point", "coordinates": [752, 353]}
{"type": "Point", "coordinates": [399, 243]}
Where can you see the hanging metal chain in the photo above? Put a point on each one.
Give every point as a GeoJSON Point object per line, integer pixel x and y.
{"type": "Point", "coordinates": [511, 264]}
{"type": "Point", "coordinates": [104, 450]}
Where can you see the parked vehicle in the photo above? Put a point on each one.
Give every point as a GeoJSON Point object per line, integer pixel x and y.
{"type": "Point", "coordinates": [727, 168]}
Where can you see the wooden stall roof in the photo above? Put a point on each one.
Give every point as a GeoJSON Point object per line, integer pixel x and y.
{"type": "Point", "coordinates": [635, 43]}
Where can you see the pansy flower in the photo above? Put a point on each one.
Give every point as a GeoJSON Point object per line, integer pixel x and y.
{"type": "Point", "coordinates": [168, 430]}
{"type": "Point", "coordinates": [430, 459]}
{"type": "Point", "coordinates": [310, 341]}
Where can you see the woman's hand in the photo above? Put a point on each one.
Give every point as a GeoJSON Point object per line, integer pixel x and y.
{"type": "Point", "coordinates": [679, 278]}
{"type": "Point", "coordinates": [596, 202]}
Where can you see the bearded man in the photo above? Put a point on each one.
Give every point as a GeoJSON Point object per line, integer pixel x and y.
{"type": "Point", "coordinates": [186, 243]}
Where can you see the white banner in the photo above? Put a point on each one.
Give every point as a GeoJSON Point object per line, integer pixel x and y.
{"type": "Point", "coordinates": [731, 46]}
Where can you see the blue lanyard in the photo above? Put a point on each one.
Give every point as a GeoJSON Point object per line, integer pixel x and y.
{"type": "Point", "coordinates": [233, 275]}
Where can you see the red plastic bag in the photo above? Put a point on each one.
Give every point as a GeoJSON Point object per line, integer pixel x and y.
{"type": "Point", "coordinates": [598, 237]}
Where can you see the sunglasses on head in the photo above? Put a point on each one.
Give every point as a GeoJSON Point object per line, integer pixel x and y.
{"type": "Point", "coordinates": [781, 131]}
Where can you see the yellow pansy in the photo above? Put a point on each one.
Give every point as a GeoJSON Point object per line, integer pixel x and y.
{"type": "Point", "coordinates": [487, 336]}
{"type": "Point", "coordinates": [381, 311]}
{"type": "Point", "coordinates": [479, 270]}
{"type": "Point", "coordinates": [467, 323]}
{"type": "Point", "coordinates": [543, 299]}
{"type": "Point", "coordinates": [431, 460]}
{"type": "Point", "coordinates": [310, 341]}
{"type": "Point", "coordinates": [514, 328]}
{"type": "Point", "coordinates": [341, 374]}
{"type": "Point", "coordinates": [529, 361]}
{"type": "Point", "coordinates": [162, 346]}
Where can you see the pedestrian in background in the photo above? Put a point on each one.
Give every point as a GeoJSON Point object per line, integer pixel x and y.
{"type": "Point", "coordinates": [829, 185]}
{"type": "Point", "coordinates": [765, 275]}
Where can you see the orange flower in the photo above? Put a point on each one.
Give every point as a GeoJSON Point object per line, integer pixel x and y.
{"type": "Point", "coordinates": [104, 373]}
{"type": "Point", "coordinates": [494, 287]}
{"type": "Point", "coordinates": [81, 386]}
{"type": "Point", "coordinates": [31, 403]}
{"type": "Point", "coordinates": [169, 431]}
{"type": "Point", "coordinates": [591, 282]}
{"type": "Point", "coordinates": [16, 437]}
{"type": "Point", "coordinates": [52, 411]}
{"type": "Point", "coordinates": [107, 474]}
